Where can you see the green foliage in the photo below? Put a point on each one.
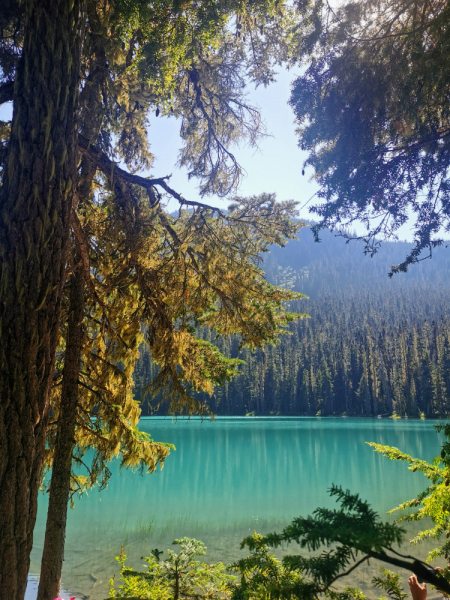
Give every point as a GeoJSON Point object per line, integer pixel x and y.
{"type": "Point", "coordinates": [193, 62]}
{"type": "Point", "coordinates": [180, 577]}
{"type": "Point", "coordinates": [262, 576]}
{"type": "Point", "coordinates": [372, 346]}
{"type": "Point", "coordinates": [149, 275]}
{"type": "Point", "coordinates": [337, 542]}
{"type": "Point", "coordinates": [434, 501]}
{"type": "Point", "coordinates": [174, 274]}
{"type": "Point", "coordinates": [353, 525]}
{"type": "Point", "coordinates": [390, 583]}
{"type": "Point", "coordinates": [341, 536]}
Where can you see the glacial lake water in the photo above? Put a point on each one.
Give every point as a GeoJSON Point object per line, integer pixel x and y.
{"type": "Point", "coordinates": [228, 478]}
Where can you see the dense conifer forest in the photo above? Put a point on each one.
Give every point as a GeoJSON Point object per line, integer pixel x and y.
{"type": "Point", "coordinates": [373, 345]}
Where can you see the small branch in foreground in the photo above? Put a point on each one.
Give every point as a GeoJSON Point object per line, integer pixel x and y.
{"type": "Point", "coordinates": [356, 565]}
{"type": "Point", "coordinates": [423, 571]}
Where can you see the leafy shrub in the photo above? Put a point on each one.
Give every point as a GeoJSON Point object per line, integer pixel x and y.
{"type": "Point", "coordinates": [179, 577]}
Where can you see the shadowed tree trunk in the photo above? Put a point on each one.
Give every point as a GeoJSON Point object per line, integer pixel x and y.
{"type": "Point", "coordinates": [35, 208]}
{"type": "Point", "coordinates": [59, 492]}
{"type": "Point", "coordinates": [55, 533]}
{"type": "Point", "coordinates": [92, 112]}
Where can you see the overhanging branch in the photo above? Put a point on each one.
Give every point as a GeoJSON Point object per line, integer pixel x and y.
{"type": "Point", "coordinates": [422, 570]}
{"type": "Point", "coordinates": [111, 170]}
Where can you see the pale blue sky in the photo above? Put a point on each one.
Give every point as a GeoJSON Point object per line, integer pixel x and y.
{"type": "Point", "coordinates": [276, 166]}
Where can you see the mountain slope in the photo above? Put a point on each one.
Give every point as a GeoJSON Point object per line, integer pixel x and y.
{"type": "Point", "coordinates": [373, 345]}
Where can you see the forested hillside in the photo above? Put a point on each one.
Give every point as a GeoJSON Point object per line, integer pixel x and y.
{"type": "Point", "coordinates": [373, 344]}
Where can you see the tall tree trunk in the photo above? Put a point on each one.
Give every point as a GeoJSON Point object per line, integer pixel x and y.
{"type": "Point", "coordinates": [385, 382]}
{"type": "Point", "coordinates": [59, 492]}
{"type": "Point", "coordinates": [55, 533]}
{"type": "Point", "coordinates": [92, 113]}
{"type": "Point", "coordinates": [35, 207]}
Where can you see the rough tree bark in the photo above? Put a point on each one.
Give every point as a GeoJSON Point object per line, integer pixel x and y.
{"type": "Point", "coordinates": [92, 112]}
{"type": "Point", "coordinates": [55, 533]}
{"type": "Point", "coordinates": [35, 209]}
{"type": "Point", "coordinates": [59, 492]}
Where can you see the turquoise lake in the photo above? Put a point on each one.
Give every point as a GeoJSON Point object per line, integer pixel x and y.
{"type": "Point", "coordinates": [228, 478]}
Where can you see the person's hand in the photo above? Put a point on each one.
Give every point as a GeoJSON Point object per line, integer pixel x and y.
{"type": "Point", "coordinates": [418, 590]}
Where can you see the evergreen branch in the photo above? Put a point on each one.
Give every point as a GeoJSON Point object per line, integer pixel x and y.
{"type": "Point", "coordinates": [423, 571]}
{"type": "Point", "coordinates": [90, 389]}
{"type": "Point", "coordinates": [352, 530]}
{"type": "Point", "coordinates": [112, 366]}
{"type": "Point", "coordinates": [440, 133]}
{"type": "Point", "coordinates": [401, 555]}
{"type": "Point", "coordinates": [182, 200]}
{"type": "Point", "coordinates": [111, 170]}
{"type": "Point", "coordinates": [356, 565]}
{"type": "Point", "coordinates": [390, 583]}
{"type": "Point", "coordinates": [393, 453]}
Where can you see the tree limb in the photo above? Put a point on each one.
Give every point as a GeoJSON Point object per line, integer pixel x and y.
{"type": "Point", "coordinates": [112, 170]}
{"type": "Point", "coordinates": [355, 566]}
{"type": "Point", "coordinates": [423, 571]}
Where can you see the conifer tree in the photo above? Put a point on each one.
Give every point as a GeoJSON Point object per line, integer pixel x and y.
{"type": "Point", "coordinates": [341, 539]}
{"type": "Point", "coordinates": [173, 58]}
{"type": "Point", "coordinates": [183, 60]}
{"type": "Point", "coordinates": [372, 113]}
{"type": "Point", "coordinates": [39, 170]}
{"type": "Point", "coordinates": [323, 358]}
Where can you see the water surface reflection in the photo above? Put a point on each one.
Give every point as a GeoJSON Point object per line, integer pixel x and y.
{"type": "Point", "coordinates": [228, 478]}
